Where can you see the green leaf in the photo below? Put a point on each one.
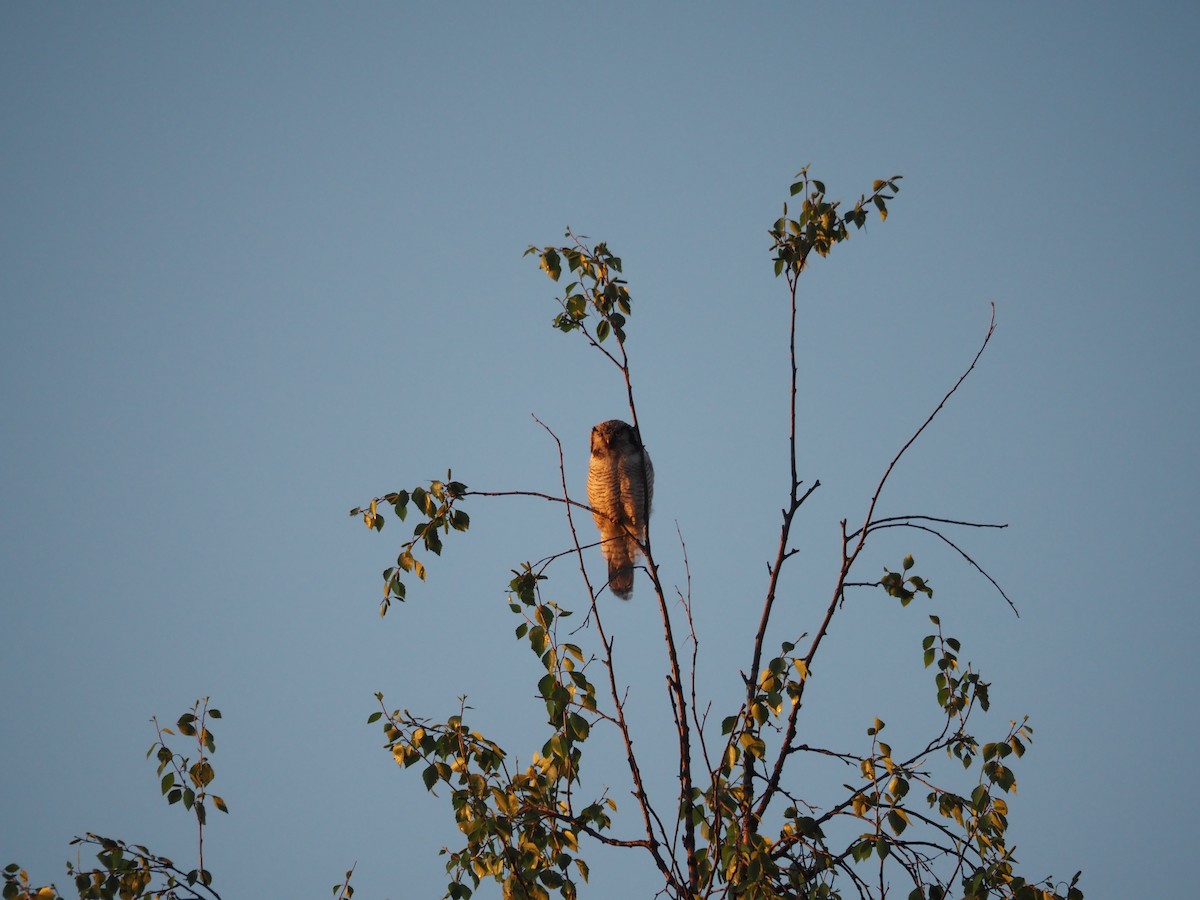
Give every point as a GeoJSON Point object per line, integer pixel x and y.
{"type": "Point", "coordinates": [550, 263]}
{"type": "Point", "coordinates": [430, 777]}
{"type": "Point", "coordinates": [808, 827]}
{"type": "Point", "coordinates": [580, 729]}
{"type": "Point", "coordinates": [979, 798]}
{"type": "Point", "coordinates": [537, 639]}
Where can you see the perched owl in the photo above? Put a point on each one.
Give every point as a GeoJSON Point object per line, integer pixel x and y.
{"type": "Point", "coordinates": [620, 489]}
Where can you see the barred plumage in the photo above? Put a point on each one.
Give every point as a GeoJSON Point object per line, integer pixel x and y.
{"type": "Point", "coordinates": [620, 490]}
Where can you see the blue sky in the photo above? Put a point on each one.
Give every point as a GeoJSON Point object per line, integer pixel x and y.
{"type": "Point", "coordinates": [260, 263]}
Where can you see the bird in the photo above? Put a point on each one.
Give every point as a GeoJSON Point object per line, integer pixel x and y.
{"type": "Point", "coordinates": [620, 489]}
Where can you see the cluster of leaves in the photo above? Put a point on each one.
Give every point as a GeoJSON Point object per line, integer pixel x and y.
{"type": "Point", "coordinates": [18, 887]}
{"type": "Point", "coordinates": [904, 586]}
{"type": "Point", "coordinates": [800, 860]}
{"type": "Point", "coordinates": [956, 692]}
{"type": "Point", "coordinates": [344, 890]}
{"type": "Point", "coordinates": [131, 870]}
{"type": "Point", "coordinates": [181, 780]}
{"type": "Point", "coordinates": [598, 287]}
{"type": "Point", "coordinates": [742, 858]}
{"type": "Point", "coordinates": [436, 504]}
{"type": "Point", "coordinates": [522, 829]}
{"type": "Point", "coordinates": [820, 226]}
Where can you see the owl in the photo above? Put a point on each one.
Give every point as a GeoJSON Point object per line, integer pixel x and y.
{"type": "Point", "coordinates": [620, 489]}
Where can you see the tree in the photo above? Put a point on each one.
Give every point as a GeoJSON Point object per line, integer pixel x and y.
{"type": "Point", "coordinates": [735, 826]}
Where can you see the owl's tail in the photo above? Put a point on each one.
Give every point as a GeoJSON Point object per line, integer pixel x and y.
{"type": "Point", "coordinates": [621, 555]}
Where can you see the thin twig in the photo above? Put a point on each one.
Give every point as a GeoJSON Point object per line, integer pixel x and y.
{"type": "Point", "coordinates": [937, 519]}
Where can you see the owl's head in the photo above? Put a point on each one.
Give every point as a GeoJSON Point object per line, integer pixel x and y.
{"type": "Point", "coordinates": [613, 436]}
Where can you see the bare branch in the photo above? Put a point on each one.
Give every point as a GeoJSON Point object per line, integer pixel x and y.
{"type": "Point", "coordinates": [937, 519]}
{"type": "Point", "coordinates": [916, 434]}
{"type": "Point", "coordinates": [537, 494]}
{"type": "Point", "coordinates": [956, 548]}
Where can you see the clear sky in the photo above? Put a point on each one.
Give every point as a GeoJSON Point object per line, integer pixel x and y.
{"type": "Point", "coordinates": [260, 262]}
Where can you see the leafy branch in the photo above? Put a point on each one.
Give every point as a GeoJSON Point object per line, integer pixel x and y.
{"type": "Point", "coordinates": [437, 504]}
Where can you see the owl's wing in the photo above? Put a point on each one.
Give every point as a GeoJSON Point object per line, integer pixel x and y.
{"type": "Point", "coordinates": [635, 500]}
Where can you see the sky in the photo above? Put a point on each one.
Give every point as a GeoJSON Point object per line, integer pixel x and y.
{"type": "Point", "coordinates": [260, 263]}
